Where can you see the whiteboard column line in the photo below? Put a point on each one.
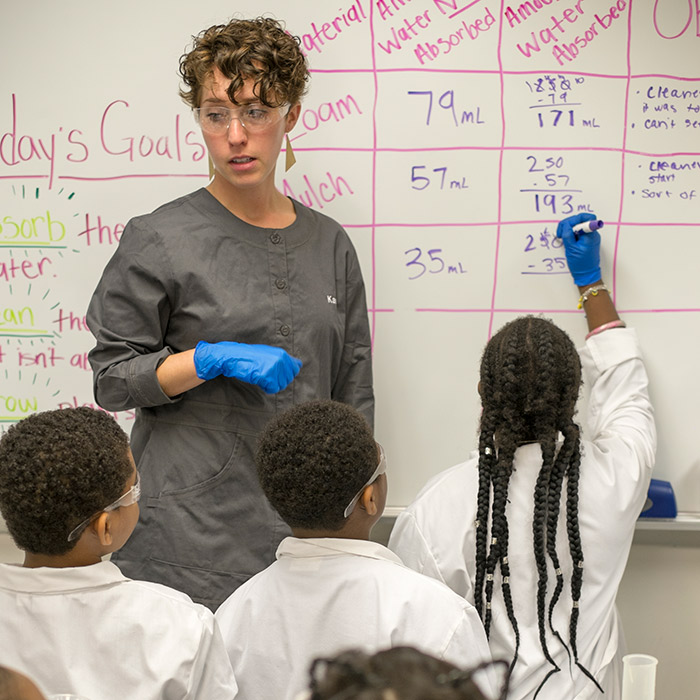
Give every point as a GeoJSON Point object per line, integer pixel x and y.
{"type": "Point", "coordinates": [500, 174]}
{"type": "Point", "coordinates": [374, 176]}
{"type": "Point", "coordinates": [623, 154]}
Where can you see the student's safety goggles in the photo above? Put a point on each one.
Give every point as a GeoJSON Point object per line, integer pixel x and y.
{"type": "Point", "coordinates": [381, 468]}
{"type": "Point", "coordinates": [128, 499]}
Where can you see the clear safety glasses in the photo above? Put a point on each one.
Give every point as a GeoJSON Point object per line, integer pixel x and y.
{"type": "Point", "coordinates": [128, 499]}
{"type": "Point", "coordinates": [254, 118]}
{"type": "Point", "coordinates": [381, 468]}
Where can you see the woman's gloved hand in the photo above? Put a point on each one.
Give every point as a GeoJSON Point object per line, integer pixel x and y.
{"type": "Point", "coordinates": [270, 368]}
{"type": "Point", "coordinates": [582, 249]}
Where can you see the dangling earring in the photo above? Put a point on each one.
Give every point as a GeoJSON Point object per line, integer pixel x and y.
{"type": "Point", "coordinates": [290, 158]}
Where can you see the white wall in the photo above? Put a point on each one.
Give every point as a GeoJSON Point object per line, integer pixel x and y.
{"type": "Point", "coordinates": [9, 554]}
{"type": "Point", "coordinates": [659, 601]}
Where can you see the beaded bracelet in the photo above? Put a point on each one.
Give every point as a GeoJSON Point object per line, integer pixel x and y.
{"type": "Point", "coordinates": [591, 291]}
{"type": "Point", "coordinates": [619, 323]}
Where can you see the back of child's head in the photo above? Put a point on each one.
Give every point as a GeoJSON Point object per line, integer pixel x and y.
{"type": "Point", "coordinates": [58, 468]}
{"type": "Point", "coordinates": [530, 379]}
{"type": "Point", "coordinates": [399, 673]}
{"type": "Point", "coordinates": [312, 460]}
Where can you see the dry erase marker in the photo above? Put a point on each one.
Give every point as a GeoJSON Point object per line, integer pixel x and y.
{"type": "Point", "coordinates": [588, 226]}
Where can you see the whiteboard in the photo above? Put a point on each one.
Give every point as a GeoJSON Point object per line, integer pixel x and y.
{"type": "Point", "coordinates": [447, 136]}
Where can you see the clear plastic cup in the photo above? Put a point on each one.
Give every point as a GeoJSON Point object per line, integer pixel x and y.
{"type": "Point", "coordinates": [639, 677]}
{"type": "Point", "coordinates": [67, 696]}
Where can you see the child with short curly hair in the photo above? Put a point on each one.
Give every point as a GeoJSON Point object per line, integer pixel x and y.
{"type": "Point", "coordinates": [332, 588]}
{"type": "Point", "coordinates": [69, 495]}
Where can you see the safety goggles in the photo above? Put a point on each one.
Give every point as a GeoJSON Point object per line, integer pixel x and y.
{"type": "Point", "coordinates": [128, 499]}
{"type": "Point", "coordinates": [254, 118]}
{"type": "Point", "coordinates": [381, 468]}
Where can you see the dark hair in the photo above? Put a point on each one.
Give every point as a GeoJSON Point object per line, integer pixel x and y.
{"type": "Point", "coordinates": [530, 383]}
{"type": "Point", "coordinates": [312, 460]}
{"type": "Point", "coordinates": [58, 468]}
{"type": "Point", "coordinates": [399, 673]}
{"type": "Point", "coordinates": [243, 49]}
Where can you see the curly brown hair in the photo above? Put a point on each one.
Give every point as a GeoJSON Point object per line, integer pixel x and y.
{"type": "Point", "coordinates": [56, 469]}
{"type": "Point", "coordinates": [312, 459]}
{"type": "Point", "coordinates": [258, 49]}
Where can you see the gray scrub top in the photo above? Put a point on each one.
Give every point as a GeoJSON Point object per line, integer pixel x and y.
{"type": "Point", "coordinates": [193, 271]}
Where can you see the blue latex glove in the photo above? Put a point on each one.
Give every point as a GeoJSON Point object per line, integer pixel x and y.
{"type": "Point", "coordinates": [270, 368]}
{"type": "Point", "coordinates": [582, 249]}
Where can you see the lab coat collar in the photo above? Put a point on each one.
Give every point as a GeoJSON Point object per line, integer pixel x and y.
{"type": "Point", "coordinates": [333, 546]}
{"type": "Point", "coordinates": [50, 580]}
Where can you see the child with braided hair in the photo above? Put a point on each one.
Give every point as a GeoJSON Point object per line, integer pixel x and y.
{"type": "Point", "coordinates": [535, 528]}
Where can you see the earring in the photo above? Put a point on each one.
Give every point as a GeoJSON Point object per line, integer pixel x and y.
{"type": "Point", "coordinates": [290, 158]}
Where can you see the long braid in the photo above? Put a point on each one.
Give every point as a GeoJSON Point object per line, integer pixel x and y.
{"type": "Point", "coordinates": [576, 550]}
{"type": "Point", "coordinates": [556, 481]}
{"type": "Point", "coordinates": [500, 529]}
{"type": "Point", "coordinates": [541, 507]}
{"type": "Point", "coordinates": [487, 456]}
{"type": "Point", "coordinates": [487, 465]}
{"type": "Point", "coordinates": [541, 541]}
{"type": "Point", "coordinates": [508, 439]}
{"type": "Point", "coordinates": [542, 426]}
{"type": "Point", "coordinates": [492, 557]}
{"type": "Point", "coordinates": [502, 384]}
{"type": "Point", "coordinates": [551, 475]}
{"type": "Point", "coordinates": [571, 376]}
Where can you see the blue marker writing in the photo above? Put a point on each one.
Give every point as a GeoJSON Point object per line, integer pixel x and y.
{"type": "Point", "coordinates": [588, 226]}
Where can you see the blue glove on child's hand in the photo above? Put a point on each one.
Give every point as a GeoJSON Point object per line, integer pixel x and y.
{"type": "Point", "coordinates": [270, 368]}
{"type": "Point", "coordinates": [582, 249]}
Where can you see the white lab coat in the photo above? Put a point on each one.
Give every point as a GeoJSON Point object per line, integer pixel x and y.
{"type": "Point", "coordinates": [435, 534]}
{"type": "Point", "coordinates": [90, 631]}
{"type": "Point", "coordinates": [326, 595]}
